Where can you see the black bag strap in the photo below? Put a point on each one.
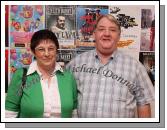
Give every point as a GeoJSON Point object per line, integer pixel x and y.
{"type": "Point", "coordinates": [24, 77]}
{"type": "Point", "coordinates": [20, 91]}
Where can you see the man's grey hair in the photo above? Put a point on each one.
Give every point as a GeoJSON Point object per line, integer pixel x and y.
{"type": "Point", "coordinates": [110, 18]}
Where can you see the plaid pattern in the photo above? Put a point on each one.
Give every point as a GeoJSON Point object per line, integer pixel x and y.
{"type": "Point", "coordinates": [110, 90]}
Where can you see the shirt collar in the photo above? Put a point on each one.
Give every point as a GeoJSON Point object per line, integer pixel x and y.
{"type": "Point", "coordinates": [113, 55]}
{"type": "Point", "coordinates": [33, 67]}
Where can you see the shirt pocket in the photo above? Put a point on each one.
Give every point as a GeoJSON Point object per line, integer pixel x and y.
{"type": "Point", "coordinates": [119, 93]}
{"type": "Point", "coordinates": [119, 99]}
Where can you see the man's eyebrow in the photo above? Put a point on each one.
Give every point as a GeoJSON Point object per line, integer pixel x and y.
{"type": "Point", "coordinates": [101, 26]}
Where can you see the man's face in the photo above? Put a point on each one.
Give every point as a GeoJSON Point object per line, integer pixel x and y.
{"type": "Point", "coordinates": [106, 35]}
{"type": "Point", "coordinates": [61, 22]}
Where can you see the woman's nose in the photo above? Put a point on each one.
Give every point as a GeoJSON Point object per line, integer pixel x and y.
{"type": "Point", "coordinates": [46, 52]}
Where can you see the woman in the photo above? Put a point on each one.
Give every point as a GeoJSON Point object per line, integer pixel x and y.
{"type": "Point", "coordinates": [49, 91]}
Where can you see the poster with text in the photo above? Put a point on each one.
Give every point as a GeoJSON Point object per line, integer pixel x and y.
{"type": "Point", "coordinates": [61, 20]}
{"type": "Point", "coordinates": [129, 18]}
{"type": "Point", "coordinates": [147, 28]}
{"type": "Point", "coordinates": [148, 60]}
{"type": "Point", "coordinates": [65, 55]}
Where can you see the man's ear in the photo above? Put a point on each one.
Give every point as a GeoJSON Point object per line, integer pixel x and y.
{"type": "Point", "coordinates": [94, 34]}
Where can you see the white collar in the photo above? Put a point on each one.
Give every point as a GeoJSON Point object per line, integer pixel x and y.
{"type": "Point", "coordinates": [33, 67]}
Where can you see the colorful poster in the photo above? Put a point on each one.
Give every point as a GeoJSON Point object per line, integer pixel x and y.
{"type": "Point", "coordinates": [129, 18]}
{"type": "Point", "coordinates": [19, 58]}
{"type": "Point", "coordinates": [61, 21]}
{"type": "Point", "coordinates": [6, 69]}
{"type": "Point", "coordinates": [24, 21]}
{"type": "Point", "coordinates": [147, 29]}
{"type": "Point", "coordinates": [148, 60]}
{"type": "Point", "coordinates": [86, 20]}
{"type": "Point", "coordinates": [6, 25]}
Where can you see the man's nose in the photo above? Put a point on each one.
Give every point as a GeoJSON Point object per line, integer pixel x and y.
{"type": "Point", "coordinates": [107, 32]}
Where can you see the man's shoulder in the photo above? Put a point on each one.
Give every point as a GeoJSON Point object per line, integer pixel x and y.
{"type": "Point", "coordinates": [124, 56]}
{"type": "Point", "coordinates": [90, 52]}
{"type": "Point", "coordinates": [81, 57]}
{"type": "Point", "coordinates": [85, 54]}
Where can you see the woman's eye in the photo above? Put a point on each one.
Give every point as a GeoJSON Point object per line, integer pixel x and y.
{"type": "Point", "coordinates": [40, 49]}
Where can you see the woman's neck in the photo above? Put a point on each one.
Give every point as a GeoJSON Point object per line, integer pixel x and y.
{"type": "Point", "coordinates": [46, 71]}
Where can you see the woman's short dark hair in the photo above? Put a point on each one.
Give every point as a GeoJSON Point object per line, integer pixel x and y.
{"type": "Point", "coordinates": [43, 35]}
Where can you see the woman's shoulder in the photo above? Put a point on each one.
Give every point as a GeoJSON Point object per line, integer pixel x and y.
{"type": "Point", "coordinates": [66, 76]}
{"type": "Point", "coordinates": [19, 71]}
{"type": "Point", "coordinates": [67, 72]}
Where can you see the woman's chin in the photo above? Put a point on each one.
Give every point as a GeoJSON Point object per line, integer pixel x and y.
{"type": "Point", "coordinates": [47, 65]}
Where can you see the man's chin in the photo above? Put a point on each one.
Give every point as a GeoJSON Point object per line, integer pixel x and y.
{"type": "Point", "coordinates": [107, 51]}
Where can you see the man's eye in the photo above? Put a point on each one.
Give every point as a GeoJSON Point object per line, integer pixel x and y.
{"type": "Point", "coordinates": [112, 30]}
{"type": "Point", "coordinates": [101, 29]}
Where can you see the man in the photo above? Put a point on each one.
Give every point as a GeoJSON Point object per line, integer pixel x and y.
{"type": "Point", "coordinates": [110, 84]}
{"type": "Point", "coordinates": [60, 24]}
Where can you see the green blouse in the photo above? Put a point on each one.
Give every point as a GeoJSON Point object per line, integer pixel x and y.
{"type": "Point", "coordinates": [30, 104]}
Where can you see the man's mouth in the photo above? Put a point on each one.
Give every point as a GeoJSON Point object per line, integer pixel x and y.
{"type": "Point", "coordinates": [106, 39]}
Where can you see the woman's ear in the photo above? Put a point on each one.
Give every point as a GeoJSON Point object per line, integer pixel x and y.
{"type": "Point", "coordinates": [33, 53]}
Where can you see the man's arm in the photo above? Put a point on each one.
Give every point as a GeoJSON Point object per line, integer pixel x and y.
{"type": "Point", "coordinates": [144, 111]}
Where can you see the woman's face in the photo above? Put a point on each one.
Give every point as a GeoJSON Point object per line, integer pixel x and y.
{"type": "Point", "coordinates": [45, 53]}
